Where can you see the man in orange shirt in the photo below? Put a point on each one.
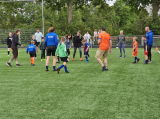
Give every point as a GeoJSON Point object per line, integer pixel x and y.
{"type": "Point", "coordinates": [105, 44]}
{"type": "Point", "coordinates": [135, 50]}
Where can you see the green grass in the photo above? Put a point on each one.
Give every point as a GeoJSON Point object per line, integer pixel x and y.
{"type": "Point", "coordinates": [126, 91]}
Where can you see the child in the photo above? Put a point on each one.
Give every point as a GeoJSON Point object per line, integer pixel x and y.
{"type": "Point", "coordinates": [145, 49]}
{"type": "Point", "coordinates": [35, 42]}
{"type": "Point", "coordinates": [135, 50]}
{"type": "Point", "coordinates": [91, 42]}
{"type": "Point", "coordinates": [86, 49]}
{"type": "Point", "coordinates": [32, 49]}
{"type": "Point", "coordinates": [43, 49]}
{"type": "Point", "coordinates": [61, 49]}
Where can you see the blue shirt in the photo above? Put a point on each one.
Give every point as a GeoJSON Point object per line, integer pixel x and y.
{"type": "Point", "coordinates": [31, 48]}
{"type": "Point", "coordinates": [85, 47]}
{"type": "Point", "coordinates": [68, 43]}
{"type": "Point", "coordinates": [51, 39]}
{"type": "Point", "coordinates": [149, 36]}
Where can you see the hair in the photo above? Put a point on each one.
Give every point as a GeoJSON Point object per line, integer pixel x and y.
{"type": "Point", "coordinates": [16, 31]}
{"type": "Point", "coordinates": [80, 36]}
{"type": "Point", "coordinates": [32, 42]}
{"type": "Point", "coordinates": [63, 39]}
{"type": "Point", "coordinates": [87, 31]}
{"type": "Point", "coordinates": [84, 40]}
{"type": "Point", "coordinates": [69, 35]}
{"type": "Point", "coordinates": [121, 31]}
{"type": "Point", "coordinates": [135, 38]}
{"type": "Point", "coordinates": [42, 38]}
{"type": "Point", "coordinates": [51, 29]}
{"type": "Point", "coordinates": [103, 28]}
{"type": "Point", "coordinates": [144, 36]}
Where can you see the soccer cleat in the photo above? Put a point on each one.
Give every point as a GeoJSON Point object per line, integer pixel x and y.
{"type": "Point", "coordinates": [67, 71]}
{"type": "Point", "coordinates": [133, 62]}
{"type": "Point", "coordinates": [58, 71]}
{"type": "Point", "coordinates": [73, 59]}
{"type": "Point", "coordinates": [120, 56]}
{"type": "Point", "coordinates": [54, 70]}
{"type": "Point", "coordinates": [33, 64]}
{"type": "Point", "coordinates": [149, 61]}
{"type": "Point", "coordinates": [124, 56]}
{"type": "Point", "coordinates": [106, 69]}
{"type": "Point", "coordinates": [47, 70]}
{"type": "Point", "coordinates": [57, 61]}
{"type": "Point", "coordinates": [9, 64]}
{"type": "Point", "coordinates": [35, 57]}
{"type": "Point", "coordinates": [103, 68]}
{"type": "Point", "coordinates": [87, 61]}
{"type": "Point", "coordinates": [18, 65]}
{"type": "Point", "coordinates": [81, 59]}
{"type": "Point", "coordinates": [8, 55]}
{"type": "Point", "coordinates": [41, 59]}
{"type": "Point", "coordinates": [44, 59]}
{"type": "Point", "coordinates": [138, 60]}
{"type": "Point", "coordinates": [146, 63]}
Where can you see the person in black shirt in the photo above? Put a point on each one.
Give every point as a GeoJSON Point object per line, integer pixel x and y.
{"type": "Point", "coordinates": [14, 48]}
{"type": "Point", "coordinates": [9, 42]}
{"type": "Point", "coordinates": [77, 43]}
{"type": "Point", "coordinates": [145, 49]}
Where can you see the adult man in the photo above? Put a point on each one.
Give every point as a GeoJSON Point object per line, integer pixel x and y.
{"type": "Point", "coordinates": [105, 44]}
{"type": "Point", "coordinates": [149, 35]}
{"type": "Point", "coordinates": [38, 37]}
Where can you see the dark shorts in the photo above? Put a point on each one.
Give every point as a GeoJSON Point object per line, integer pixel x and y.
{"type": "Point", "coordinates": [32, 54]}
{"type": "Point", "coordinates": [37, 44]}
{"type": "Point", "coordinates": [86, 53]}
{"type": "Point", "coordinates": [51, 50]}
{"type": "Point", "coordinates": [9, 46]}
{"type": "Point", "coordinates": [15, 51]}
{"type": "Point", "coordinates": [64, 59]}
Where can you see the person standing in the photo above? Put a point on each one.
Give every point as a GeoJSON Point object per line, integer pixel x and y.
{"type": "Point", "coordinates": [9, 42]}
{"type": "Point", "coordinates": [87, 36]}
{"type": "Point", "coordinates": [95, 34]}
{"type": "Point", "coordinates": [51, 42]}
{"type": "Point", "coordinates": [14, 48]}
{"type": "Point", "coordinates": [149, 35]}
{"type": "Point", "coordinates": [38, 37]}
{"type": "Point", "coordinates": [105, 45]}
{"type": "Point", "coordinates": [121, 42]}
{"type": "Point", "coordinates": [77, 43]}
{"type": "Point", "coordinates": [68, 44]}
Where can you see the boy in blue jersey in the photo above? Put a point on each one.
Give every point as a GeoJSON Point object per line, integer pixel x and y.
{"type": "Point", "coordinates": [145, 49]}
{"type": "Point", "coordinates": [32, 50]}
{"type": "Point", "coordinates": [86, 49]}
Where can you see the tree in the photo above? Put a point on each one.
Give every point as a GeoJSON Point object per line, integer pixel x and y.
{"type": "Point", "coordinates": [135, 4]}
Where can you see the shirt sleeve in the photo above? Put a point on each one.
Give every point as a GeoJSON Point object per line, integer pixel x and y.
{"type": "Point", "coordinates": [57, 50]}
{"type": "Point", "coordinates": [16, 40]}
{"type": "Point", "coordinates": [56, 40]}
{"type": "Point", "coordinates": [100, 36]}
{"type": "Point", "coordinates": [8, 41]}
{"type": "Point", "coordinates": [118, 40]}
{"type": "Point", "coordinates": [46, 40]}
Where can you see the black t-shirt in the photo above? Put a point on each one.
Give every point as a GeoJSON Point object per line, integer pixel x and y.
{"type": "Point", "coordinates": [9, 40]}
{"type": "Point", "coordinates": [77, 41]}
{"type": "Point", "coordinates": [15, 40]}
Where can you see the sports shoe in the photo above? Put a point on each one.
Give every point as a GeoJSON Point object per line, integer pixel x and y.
{"type": "Point", "coordinates": [149, 61]}
{"type": "Point", "coordinates": [104, 68]}
{"type": "Point", "coordinates": [9, 64]}
{"type": "Point", "coordinates": [146, 63]}
{"type": "Point", "coordinates": [67, 72]}
{"type": "Point", "coordinates": [87, 61]}
{"type": "Point", "coordinates": [18, 65]}
{"type": "Point", "coordinates": [35, 57]}
{"type": "Point", "coordinates": [81, 59]}
{"type": "Point", "coordinates": [58, 71]}
{"type": "Point", "coordinates": [133, 62]}
{"type": "Point", "coordinates": [124, 56]}
{"type": "Point", "coordinates": [33, 64]}
{"type": "Point", "coordinates": [120, 56]}
{"type": "Point", "coordinates": [138, 60]}
{"type": "Point", "coordinates": [47, 70]}
{"type": "Point", "coordinates": [8, 55]}
{"type": "Point", "coordinates": [73, 59]}
{"type": "Point", "coordinates": [44, 59]}
{"type": "Point", "coordinates": [57, 61]}
{"type": "Point", "coordinates": [54, 70]}
{"type": "Point", "coordinates": [41, 59]}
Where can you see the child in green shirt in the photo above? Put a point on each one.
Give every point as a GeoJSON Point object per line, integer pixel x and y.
{"type": "Point", "coordinates": [61, 49]}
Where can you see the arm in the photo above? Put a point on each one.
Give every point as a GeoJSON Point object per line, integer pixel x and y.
{"type": "Point", "coordinates": [118, 40]}
{"type": "Point", "coordinates": [27, 50]}
{"type": "Point", "coordinates": [146, 47]}
{"type": "Point", "coordinates": [69, 43]}
{"type": "Point", "coordinates": [16, 40]}
{"type": "Point", "coordinates": [46, 40]}
{"type": "Point", "coordinates": [56, 40]}
{"type": "Point", "coordinates": [73, 41]}
{"type": "Point", "coordinates": [8, 41]}
{"type": "Point", "coordinates": [57, 51]}
{"type": "Point", "coordinates": [110, 45]}
{"type": "Point", "coordinates": [41, 46]}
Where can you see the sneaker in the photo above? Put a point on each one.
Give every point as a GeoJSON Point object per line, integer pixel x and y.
{"type": "Point", "coordinates": [58, 71]}
{"type": "Point", "coordinates": [35, 57]}
{"type": "Point", "coordinates": [81, 59]}
{"type": "Point", "coordinates": [106, 69]}
{"type": "Point", "coordinates": [120, 56]}
{"type": "Point", "coordinates": [73, 59]}
{"type": "Point", "coordinates": [47, 70]}
{"type": "Point", "coordinates": [103, 68]}
{"type": "Point", "coordinates": [44, 59]}
{"type": "Point", "coordinates": [124, 56]}
{"type": "Point", "coordinates": [9, 64]}
{"type": "Point", "coordinates": [133, 62]}
{"type": "Point", "coordinates": [87, 61]}
{"type": "Point", "coordinates": [8, 55]}
{"type": "Point", "coordinates": [67, 72]}
{"type": "Point", "coordinates": [33, 64]}
{"type": "Point", "coordinates": [149, 61]}
{"type": "Point", "coordinates": [41, 59]}
{"type": "Point", "coordinates": [18, 65]}
{"type": "Point", "coordinates": [138, 60]}
{"type": "Point", "coordinates": [54, 70]}
{"type": "Point", "coordinates": [146, 63]}
{"type": "Point", "coordinates": [57, 61]}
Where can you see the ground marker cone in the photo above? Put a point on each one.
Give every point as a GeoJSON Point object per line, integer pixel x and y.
{"type": "Point", "coordinates": [156, 48]}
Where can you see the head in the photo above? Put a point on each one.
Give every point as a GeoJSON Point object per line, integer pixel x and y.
{"type": "Point", "coordinates": [10, 34]}
{"type": "Point", "coordinates": [43, 39]}
{"type": "Point", "coordinates": [95, 30]}
{"type": "Point", "coordinates": [33, 37]}
{"type": "Point", "coordinates": [69, 36]}
{"type": "Point", "coordinates": [147, 29]}
{"type": "Point", "coordinates": [84, 41]}
{"type": "Point", "coordinates": [51, 29]}
{"type": "Point", "coordinates": [63, 39]}
{"type": "Point", "coordinates": [103, 28]}
{"type": "Point", "coordinates": [121, 32]}
{"type": "Point", "coordinates": [17, 32]}
{"type": "Point", "coordinates": [87, 32]}
{"type": "Point", "coordinates": [37, 30]}
{"type": "Point", "coordinates": [135, 39]}
{"type": "Point", "coordinates": [79, 34]}
{"type": "Point", "coordinates": [32, 42]}
{"type": "Point", "coordinates": [144, 37]}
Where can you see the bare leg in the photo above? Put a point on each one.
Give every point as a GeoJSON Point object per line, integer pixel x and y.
{"type": "Point", "coordinates": [100, 62]}
{"type": "Point", "coordinates": [11, 59]}
{"type": "Point", "coordinates": [105, 62]}
{"type": "Point", "coordinates": [16, 59]}
{"type": "Point", "coordinates": [54, 60]}
{"type": "Point", "coordinates": [47, 61]}
{"type": "Point", "coordinates": [37, 49]}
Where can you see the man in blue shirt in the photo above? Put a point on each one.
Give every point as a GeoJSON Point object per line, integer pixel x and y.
{"type": "Point", "coordinates": [149, 35]}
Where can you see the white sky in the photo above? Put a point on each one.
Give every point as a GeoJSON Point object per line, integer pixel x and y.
{"type": "Point", "coordinates": [111, 2]}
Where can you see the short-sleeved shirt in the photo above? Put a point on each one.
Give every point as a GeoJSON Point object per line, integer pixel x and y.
{"type": "Point", "coordinates": [85, 47]}
{"type": "Point", "coordinates": [135, 45]}
{"type": "Point", "coordinates": [38, 36]}
{"type": "Point", "coordinates": [105, 38]}
{"type": "Point", "coordinates": [145, 44]}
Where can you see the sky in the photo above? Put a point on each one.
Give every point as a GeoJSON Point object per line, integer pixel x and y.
{"type": "Point", "coordinates": [111, 2]}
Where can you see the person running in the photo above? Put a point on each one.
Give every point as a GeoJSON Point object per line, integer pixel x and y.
{"type": "Point", "coordinates": [149, 35]}
{"type": "Point", "coordinates": [51, 43]}
{"type": "Point", "coordinates": [38, 37]}
{"type": "Point", "coordinates": [121, 42]}
{"type": "Point", "coordinates": [9, 42]}
{"type": "Point", "coordinates": [95, 34]}
{"type": "Point", "coordinates": [86, 49]}
{"type": "Point", "coordinates": [35, 42]}
{"type": "Point", "coordinates": [14, 48]}
{"type": "Point", "coordinates": [105, 44]}
{"type": "Point", "coordinates": [77, 44]}
{"type": "Point", "coordinates": [135, 50]}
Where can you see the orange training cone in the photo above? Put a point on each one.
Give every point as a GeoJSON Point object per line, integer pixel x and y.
{"type": "Point", "coordinates": [156, 48]}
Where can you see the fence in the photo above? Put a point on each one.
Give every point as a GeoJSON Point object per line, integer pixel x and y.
{"type": "Point", "coordinates": [26, 35]}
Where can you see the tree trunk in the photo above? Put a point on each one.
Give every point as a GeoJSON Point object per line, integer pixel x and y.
{"type": "Point", "coordinates": [155, 8]}
{"type": "Point", "coordinates": [70, 11]}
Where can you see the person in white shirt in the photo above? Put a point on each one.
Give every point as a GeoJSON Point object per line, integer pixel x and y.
{"type": "Point", "coordinates": [87, 36]}
{"type": "Point", "coordinates": [38, 37]}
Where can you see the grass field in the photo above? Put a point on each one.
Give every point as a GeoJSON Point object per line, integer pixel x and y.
{"type": "Point", "coordinates": [126, 91]}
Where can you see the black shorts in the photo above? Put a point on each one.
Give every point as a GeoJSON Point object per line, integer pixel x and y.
{"type": "Point", "coordinates": [32, 54]}
{"type": "Point", "coordinates": [37, 44]}
{"type": "Point", "coordinates": [51, 50]}
{"type": "Point", "coordinates": [9, 46]}
{"type": "Point", "coordinates": [64, 59]}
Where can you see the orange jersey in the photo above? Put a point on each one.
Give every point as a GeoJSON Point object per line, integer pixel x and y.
{"type": "Point", "coordinates": [135, 45]}
{"type": "Point", "coordinates": [104, 44]}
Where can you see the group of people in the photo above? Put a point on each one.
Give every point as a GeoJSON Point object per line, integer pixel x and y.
{"type": "Point", "coordinates": [62, 50]}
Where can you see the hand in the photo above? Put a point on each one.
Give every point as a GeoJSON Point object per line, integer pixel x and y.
{"type": "Point", "coordinates": [81, 46]}
{"type": "Point", "coordinates": [41, 50]}
{"type": "Point", "coordinates": [117, 44]}
{"type": "Point", "coordinates": [72, 44]}
{"type": "Point", "coordinates": [70, 48]}
{"type": "Point", "coordinates": [124, 44]}
{"type": "Point", "coordinates": [27, 53]}
{"type": "Point", "coordinates": [110, 51]}
{"type": "Point", "coordinates": [21, 45]}
{"type": "Point", "coordinates": [45, 50]}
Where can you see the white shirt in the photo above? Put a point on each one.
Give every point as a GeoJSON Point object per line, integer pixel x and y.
{"type": "Point", "coordinates": [38, 36]}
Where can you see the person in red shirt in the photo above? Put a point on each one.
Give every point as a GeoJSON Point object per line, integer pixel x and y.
{"type": "Point", "coordinates": [105, 45]}
{"type": "Point", "coordinates": [135, 50]}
